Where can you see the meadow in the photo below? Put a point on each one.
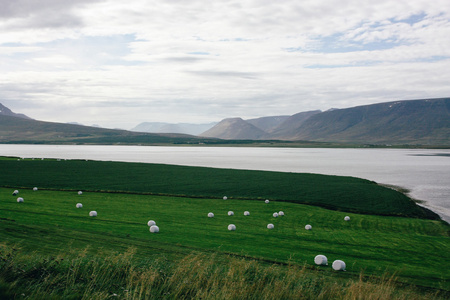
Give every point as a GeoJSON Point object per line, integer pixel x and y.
{"type": "Point", "coordinates": [50, 247]}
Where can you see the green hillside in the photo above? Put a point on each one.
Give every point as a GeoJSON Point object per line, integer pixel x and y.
{"type": "Point", "coordinates": [401, 122]}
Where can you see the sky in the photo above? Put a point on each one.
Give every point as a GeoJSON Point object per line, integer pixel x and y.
{"type": "Point", "coordinates": [118, 63]}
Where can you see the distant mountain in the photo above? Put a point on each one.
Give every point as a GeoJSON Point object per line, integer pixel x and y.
{"type": "Point", "coordinates": [186, 128]}
{"type": "Point", "coordinates": [399, 122]}
{"type": "Point", "coordinates": [236, 129]}
{"type": "Point", "coordinates": [4, 111]}
{"type": "Point", "coordinates": [291, 125]}
{"type": "Point", "coordinates": [267, 123]}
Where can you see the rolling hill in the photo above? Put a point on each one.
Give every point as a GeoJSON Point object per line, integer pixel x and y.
{"type": "Point", "coordinates": [413, 122]}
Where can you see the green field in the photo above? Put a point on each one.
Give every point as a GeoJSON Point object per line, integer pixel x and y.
{"type": "Point", "coordinates": [415, 249]}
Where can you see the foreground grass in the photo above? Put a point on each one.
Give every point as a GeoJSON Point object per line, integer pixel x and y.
{"type": "Point", "coordinates": [78, 275]}
{"type": "Point", "coordinates": [333, 192]}
{"type": "Point", "coordinates": [416, 250]}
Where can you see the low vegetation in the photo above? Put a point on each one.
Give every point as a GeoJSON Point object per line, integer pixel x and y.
{"type": "Point", "coordinates": [51, 249]}
{"type": "Point", "coordinates": [334, 192]}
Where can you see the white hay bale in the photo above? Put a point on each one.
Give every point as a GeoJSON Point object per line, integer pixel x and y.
{"type": "Point", "coordinates": [321, 260]}
{"type": "Point", "coordinates": [79, 205]}
{"type": "Point", "coordinates": [347, 218]}
{"type": "Point", "coordinates": [267, 201]}
{"type": "Point", "coordinates": [281, 213]}
{"type": "Point", "coordinates": [246, 213]}
{"type": "Point", "coordinates": [275, 215]}
{"type": "Point", "coordinates": [231, 213]}
{"type": "Point", "coordinates": [93, 213]}
{"type": "Point", "coordinates": [80, 193]}
{"type": "Point", "coordinates": [20, 199]}
{"type": "Point", "coordinates": [154, 229]}
{"type": "Point", "coordinates": [225, 197]}
{"type": "Point", "coordinates": [210, 215]}
{"type": "Point", "coordinates": [231, 227]}
{"type": "Point", "coordinates": [35, 189]}
{"type": "Point", "coordinates": [270, 226]}
{"type": "Point", "coordinates": [15, 192]}
{"type": "Point", "coordinates": [338, 265]}
{"type": "Point", "coordinates": [151, 223]}
{"type": "Point", "coordinates": [308, 227]}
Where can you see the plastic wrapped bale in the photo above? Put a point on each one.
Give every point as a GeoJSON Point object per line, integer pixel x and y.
{"type": "Point", "coordinates": [270, 226]}
{"type": "Point", "coordinates": [267, 201]}
{"type": "Point", "coordinates": [231, 227]}
{"type": "Point", "coordinates": [308, 227]}
{"type": "Point", "coordinates": [80, 193]}
{"type": "Point", "coordinates": [275, 215]}
{"type": "Point", "coordinates": [35, 189]}
{"type": "Point", "coordinates": [210, 215]}
{"type": "Point", "coordinates": [20, 199]}
{"type": "Point", "coordinates": [338, 265]}
{"type": "Point", "coordinates": [281, 213]}
{"type": "Point", "coordinates": [321, 260]}
{"type": "Point", "coordinates": [347, 218]}
{"type": "Point", "coordinates": [93, 213]}
{"type": "Point", "coordinates": [151, 223]}
{"type": "Point", "coordinates": [225, 197]}
{"type": "Point", "coordinates": [246, 213]}
{"type": "Point", "coordinates": [231, 213]}
{"type": "Point", "coordinates": [15, 193]}
{"type": "Point", "coordinates": [154, 229]}
{"type": "Point", "coordinates": [79, 205]}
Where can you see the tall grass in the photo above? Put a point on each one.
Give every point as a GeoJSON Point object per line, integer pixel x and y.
{"type": "Point", "coordinates": [79, 275]}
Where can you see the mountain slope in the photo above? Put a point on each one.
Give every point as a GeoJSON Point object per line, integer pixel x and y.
{"type": "Point", "coordinates": [4, 111]}
{"type": "Point", "coordinates": [291, 125]}
{"type": "Point", "coordinates": [234, 128]}
{"type": "Point", "coordinates": [399, 122]}
{"type": "Point", "coordinates": [268, 123]}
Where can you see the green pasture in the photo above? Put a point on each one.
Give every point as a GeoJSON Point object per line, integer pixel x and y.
{"type": "Point", "coordinates": [417, 250]}
{"type": "Point", "coordinates": [334, 192]}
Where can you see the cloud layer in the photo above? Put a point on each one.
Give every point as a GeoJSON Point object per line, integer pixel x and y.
{"type": "Point", "coordinates": [117, 63]}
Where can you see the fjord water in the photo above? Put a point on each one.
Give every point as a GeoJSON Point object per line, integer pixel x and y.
{"type": "Point", "coordinates": [425, 172]}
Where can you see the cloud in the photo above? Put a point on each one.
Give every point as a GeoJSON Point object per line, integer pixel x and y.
{"type": "Point", "coordinates": [119, 63]}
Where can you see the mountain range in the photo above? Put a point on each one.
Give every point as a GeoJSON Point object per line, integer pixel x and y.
{"type": "Point", "coordinates": [406, 122]}
{"type": "Point", "coordinates": [425, 122]}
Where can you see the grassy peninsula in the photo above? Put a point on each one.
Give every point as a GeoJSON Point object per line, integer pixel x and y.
{"type": "Point", "coordinates": [50, 249]}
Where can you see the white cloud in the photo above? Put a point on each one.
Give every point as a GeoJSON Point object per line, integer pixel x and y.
{"type": "Point", "coordinates": [118, 63]}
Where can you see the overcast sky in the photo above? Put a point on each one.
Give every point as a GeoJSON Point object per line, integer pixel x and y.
{"type": "Point", "coordinates": [118, 63]}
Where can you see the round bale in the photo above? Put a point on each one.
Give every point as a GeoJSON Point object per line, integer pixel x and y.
{"type": "Point", "coordinates": [79, 205]}
{"type": "Point", "coordinates": [321, 260]}
{"type": "Point", "coordinates": [275, 215]}
{"type": "Point", "coordinates": [20, 199]}
{"type": "Point", "coordinates": [231, 227]}
{"type": "Point", "coordinates": [151, 223]}
{"type": "Point", "coordinates": [15, 192]}
{"type": "Point", "coordinates": [210, 215]}
{"type": "Point", "coordinates": [281, 213]}
{"type": "Point", "coordinates": [225, 197]}
{"type": "Point", "coordinates": [267, 201]}
{"type": "Point", "coordinates": [270, 226]}
{"type": "Point", "coordinates": [231, 213]}
{"type": "Point", "coordinates": [80, 193]}
{"type": "Point", "coordinates": [93, 213]}
{"type": "Point", "coordinates": [338, 265]}
{"type": "Point", "coordinates": [154, 229]}
{"type": "Point", "coordinates": [246, 213]}
{"type": "Point", "coordinates": [35, 189]}
{"type": "Point", "coordinates": [346, 218]}
{"type": "Point", "coordinates": [308, 227]}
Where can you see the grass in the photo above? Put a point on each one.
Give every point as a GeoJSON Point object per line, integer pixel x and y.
{"type": "Point", "coordinates": [61, 252]}
{"type": "Point", "coordinates": [415, 249]}
{"type": "Point", "coordinates": [334, 192]}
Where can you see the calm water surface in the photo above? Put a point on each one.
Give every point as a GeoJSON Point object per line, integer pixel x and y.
{"type": "Point", "coordinates": [426, 173]}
